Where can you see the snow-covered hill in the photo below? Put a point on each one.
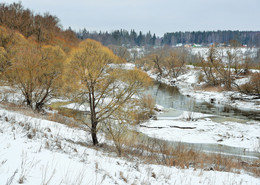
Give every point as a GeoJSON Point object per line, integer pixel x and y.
{"type": "Point", "coordinates": [36, 151]}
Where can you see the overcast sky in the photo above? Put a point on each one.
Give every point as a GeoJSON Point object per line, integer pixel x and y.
{"type": "Point", "coordinates": [158, 16]}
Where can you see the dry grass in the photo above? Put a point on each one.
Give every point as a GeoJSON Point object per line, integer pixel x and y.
{"type": "Point", "coordinates": [60, 117]}
{"type": "Point", "coordinates": [21, 109]}
{"type": "Point", "coordinates": [123, 177]}
{"type": "Point", "coordinates": [156, 151]}
{"type": "Point", "coordinates": [210, 88]}
{"type": "Point", "coordinates": [146, 109]}
{"type": "Point", "coordinates": [70, 122]}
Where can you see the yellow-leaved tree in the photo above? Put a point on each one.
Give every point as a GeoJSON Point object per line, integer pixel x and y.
{"type": "Point", "coordinates": [37, 72]}
{"type": "Point", "coordinates": [107, 89]}
{"type": "Point", "coordinates": [3, 60]}
{"type": "Point", "coordinates": [9, 42]}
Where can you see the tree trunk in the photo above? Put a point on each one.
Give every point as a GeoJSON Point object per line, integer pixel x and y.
{"type": "Point", "coordinates": [94, 133]}
{"type": "Point", "coordinates": [94, 121]}
{"type": "Point", "coordinates": [29, 102]}
{"type": "Point", "coordinates": [38, 106]}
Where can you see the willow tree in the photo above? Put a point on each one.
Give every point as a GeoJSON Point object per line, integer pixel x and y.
{"type": "Point", "coordinates": [3, 60]}
{"type": "Point", "coordinates": [106, 88]}
{"type": "Point", "coordinates": [10, 41]}
{"type": "Point", "coordinates": [36, 71]}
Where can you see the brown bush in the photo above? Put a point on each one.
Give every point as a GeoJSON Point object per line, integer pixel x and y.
{"type": "Point", "coordinates": [253, 86]}
{"type": "Point", "coordinates": [146, 109]}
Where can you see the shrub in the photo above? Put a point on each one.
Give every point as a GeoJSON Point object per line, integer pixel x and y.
{"type": "Point", "coordinates": [200, 77]}
{"type": "Point", "coordinates": [145, 110]}
{"type": "Point", "coordinates": [253, 86]}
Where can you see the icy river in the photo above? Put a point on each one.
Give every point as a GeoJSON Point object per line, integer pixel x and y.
{"type": "Point", "coordinates": [170, 98]}
{"type": "Point", "coordinates": [175, 104]}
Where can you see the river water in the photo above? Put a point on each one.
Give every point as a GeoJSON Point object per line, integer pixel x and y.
{"type": "Point", "coordinates": [170, 98]}
{"type": "Point", "coordinates": [175, 103]}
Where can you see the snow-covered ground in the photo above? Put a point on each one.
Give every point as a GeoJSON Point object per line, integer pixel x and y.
{"type": "Point", "coordinates": [35, 151]}
{"type": "Point", "coordinates": [127, 66]}
{"type": "Point", "coordinates": [201, 129]}
{"type": "Point", "coordinates": [203, 51]}
{"type": "Point", "coordinates": [77, 107]}
{"type": "Point", "coordinates": [10, 94]}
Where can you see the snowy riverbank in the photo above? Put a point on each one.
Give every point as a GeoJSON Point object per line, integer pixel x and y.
{"type": "Point", "coordinates": [188, 84]}
{"type": "Point", "coordinates": [204, 129]}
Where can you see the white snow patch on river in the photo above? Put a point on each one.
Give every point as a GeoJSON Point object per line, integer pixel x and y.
{"type": "Point", "coordinates": [204, 130]}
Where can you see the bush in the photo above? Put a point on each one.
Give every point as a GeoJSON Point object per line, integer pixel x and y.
{"type": "Point", "coordinates": [145, 110]}
{"type": "Point", "coordinates": [201, 77]}
{"type": "Point", "coordinates": [253, 86]}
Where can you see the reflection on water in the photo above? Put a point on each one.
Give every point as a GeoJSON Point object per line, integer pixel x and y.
{"type": "Point", "coordinates": [170, 97]}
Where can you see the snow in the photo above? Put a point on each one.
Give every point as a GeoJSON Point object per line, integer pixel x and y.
{"type": "Point", "coordinates": [126, 66]}
{"type": "Point", "coordinates": [9, 94]}
{"type": "Point", "coordinates": [54, 154]}
{"type": "Point", "coordinates": [77, 106]}
{"type": "Point", "coordinates": [242, 81]}
{"type": "Point", "coordinates": [203, 130]}
{"type": "Point", "coordinates": [240, 51]}
{"type": "Point", "coordinates": [185, 85]}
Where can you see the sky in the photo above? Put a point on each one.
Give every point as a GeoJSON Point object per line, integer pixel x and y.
{"type": "Point", "coordinates": [157, 16]}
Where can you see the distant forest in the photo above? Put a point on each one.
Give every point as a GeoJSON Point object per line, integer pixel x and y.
{"type": "Point", "coordinates": [121, 37]}
{"type": "Point", "coordinates": [249, 38]}
{"type": "Point", "coordinates": [132, 38]}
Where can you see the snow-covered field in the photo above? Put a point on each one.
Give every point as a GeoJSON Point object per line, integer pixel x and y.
{"type": "Point", "coordinates": [35, 151]}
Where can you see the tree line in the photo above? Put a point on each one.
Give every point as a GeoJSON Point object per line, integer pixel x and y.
{"type": "Point", "coordinates": [130, 39]}
{"type": "Point", "coordinates": [249, 38]}
{"type": "Point", "coordinates": [120, 37]}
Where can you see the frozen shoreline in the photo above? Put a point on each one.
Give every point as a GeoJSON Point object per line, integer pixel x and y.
{"type": "Point", "coordinates": [186, 83]}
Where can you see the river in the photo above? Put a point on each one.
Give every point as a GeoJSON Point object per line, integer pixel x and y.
{"type": "Point", "coordinates": [175, 103]}
{"type": "Point", "coordinates": [170, 98]}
